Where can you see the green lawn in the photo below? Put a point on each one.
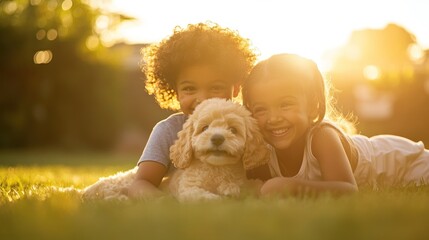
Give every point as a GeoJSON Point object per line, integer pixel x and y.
{"type": "Point", "coordinates": [31, 208]}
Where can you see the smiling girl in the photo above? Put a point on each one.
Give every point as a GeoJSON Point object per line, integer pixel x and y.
{"type": "Point", "coordinates": [312, 150]}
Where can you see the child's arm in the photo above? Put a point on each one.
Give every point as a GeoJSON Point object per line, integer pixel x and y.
{"type": "Point", "coordinates": [153, 164]}
{"type": "Point", "coordinates": [148, 177]}
{"type": "Point", "coordinates": [334, 165]}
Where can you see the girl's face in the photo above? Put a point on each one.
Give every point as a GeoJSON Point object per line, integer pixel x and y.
{"type": "Point", "coordinates": [281, 110]}
{"type": "Point", "coordinates": [200, 82]}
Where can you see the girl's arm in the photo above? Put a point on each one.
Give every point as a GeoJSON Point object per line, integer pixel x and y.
{"type": "Point", "coordinates": [148, 177]}
{"type": "Point", "coordinates": [337, 174]}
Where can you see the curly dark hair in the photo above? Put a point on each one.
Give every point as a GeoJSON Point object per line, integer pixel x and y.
{"type": "Point", "coordinates": [202, 43]}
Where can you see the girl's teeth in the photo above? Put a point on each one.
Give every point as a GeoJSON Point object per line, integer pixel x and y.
{"type": "Point", "coordinates": [280, 131]}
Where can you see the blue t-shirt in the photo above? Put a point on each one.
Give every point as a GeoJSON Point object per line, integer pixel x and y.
{"type": "Point", "coordinates": [163, 136]}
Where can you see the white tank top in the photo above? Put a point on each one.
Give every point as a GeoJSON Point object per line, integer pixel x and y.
{"type": "Point", "coordinates": [383, 160]}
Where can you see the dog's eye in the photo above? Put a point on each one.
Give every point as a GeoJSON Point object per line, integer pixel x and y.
{"type": "Point", "coordinates": [204, 128]}
{"type": "Point", "coordinates": [233, 130]}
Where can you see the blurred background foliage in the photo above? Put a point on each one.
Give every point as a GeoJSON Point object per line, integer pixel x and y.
{"type": "Point", "coordinates": [65, 83]}
{"type": "Point", "coordinates": [382, 77]}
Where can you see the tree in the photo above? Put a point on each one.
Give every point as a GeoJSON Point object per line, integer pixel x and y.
{"type": "Point", "coordinates": [385, 51]}
{"type": "Point", "coordinates": [59, 86]}
{"type": "Point", "coordinates": [377, 65]}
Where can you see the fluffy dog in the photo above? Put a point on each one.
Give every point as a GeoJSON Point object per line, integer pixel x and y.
{"type": "Point", "coordinates": [217, 144]}
{"type": "Point", "coordinates": [111, 187]}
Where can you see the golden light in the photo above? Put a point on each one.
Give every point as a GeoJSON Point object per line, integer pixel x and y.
{"type": "Point", "coordinates": [353, 53]}
{"type": "Point", "coordinates": [270, 29]}
{"type": "Point", "coordinates": [40, 34]}
{"type": "Point", "coordinates": [92, 42]}
{"type": "Point", "coordinates": [102, 23]}
{"type": "Point", "coordinates": [66, 19]}
{"type": "Point", "coordinates": [52, 34]}
{"type": "Point", "coordinates": [10, 7]}
{"type": "Point", "coordinates": [66, 5]}
{"type": "Point", "coordinates": [52, 4]}
{"type": "Point", "coordinates": [371, 72]}
{"type": "Point", "coordinates": [273, 26]}
{"type": "Point", "coordinates": [108, 39]}
{"type": "Point", "coordinates": [35, 2]}
{"type": "Point", "coordinates": [415, 53]}
{"type": "Point", "coordinates": [42, 57]}
{"type": "Point", "coordinates": [408, 72]}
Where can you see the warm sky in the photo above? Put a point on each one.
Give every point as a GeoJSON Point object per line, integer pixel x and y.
{"type": "Point", "coordinates": [305, 27]}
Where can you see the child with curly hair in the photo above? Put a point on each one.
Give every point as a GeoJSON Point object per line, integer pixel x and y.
{"type": "Point", "coordinates": [314, 147]}
{"type": "Point", "coordinates": [195, 63]}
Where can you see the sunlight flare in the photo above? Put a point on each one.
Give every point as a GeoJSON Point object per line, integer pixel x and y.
{"type": "Point", "coordinates": [371, 72]}
{"type": "Point", "coordinates": [415, 53]}
{"type": "Point", "coordinates": [42, 57]}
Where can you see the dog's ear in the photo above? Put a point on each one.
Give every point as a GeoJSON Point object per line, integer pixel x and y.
{"type": "Point", "coordinates": [181, 151]}
{"type": "Point", "coordinates": [256, 152]}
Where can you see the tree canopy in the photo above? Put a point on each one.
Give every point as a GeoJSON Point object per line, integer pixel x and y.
{"type": "Point", "coordinates": [58, 83]}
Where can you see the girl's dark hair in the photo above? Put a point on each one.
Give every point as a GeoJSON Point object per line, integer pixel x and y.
{"type": "Point", "coordinates": [202, 43]}
{"type": "Point", "coordinates": [303, 71]}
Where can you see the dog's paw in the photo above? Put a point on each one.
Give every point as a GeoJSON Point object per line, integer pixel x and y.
{"type": "Point", "coordinates": [90, 194]}
{"type": "Point", "coordinates": [211, 197]}
{"type": "Point", "coordinates": [118, 197]}
{"type": "Point", "coordinates": [196, 195]}
{"type": "Point", "coordinates": [204, 197]}
{"type": "Point", "coordinates": [229, 189]}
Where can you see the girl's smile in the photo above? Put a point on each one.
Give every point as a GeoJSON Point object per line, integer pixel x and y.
{"type": "Point", "coordinates": [281, 110]}
{"type": "Point", "coordinates": [279, 132]}
{"type": "Point", "coordinates": [286, 95]}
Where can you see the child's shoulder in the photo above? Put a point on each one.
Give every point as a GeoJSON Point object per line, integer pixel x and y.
{"type": "Point", "coordinates": [327, 126]}
{"type": "Point", "coordinates": [175, 120]}
{"type": "Point", "coordinates": [324, 134]}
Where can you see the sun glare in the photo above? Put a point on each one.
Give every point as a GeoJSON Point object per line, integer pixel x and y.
{"type": "Point", "coordinates": [309, 28]}
{"type": "Point", "coordinates": [92, 42]}
{"type": "Point", "coordinates": [42, 57]}
{"type": "Point", "coordinates": [415, 53]}
{"type": "Point", "coordinates": [371, 72]}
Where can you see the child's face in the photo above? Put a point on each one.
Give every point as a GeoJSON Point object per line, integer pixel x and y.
{"type": "Point", "coordinates": [200, 82]}
{"type": "Point", "coordinates": [281, 110]}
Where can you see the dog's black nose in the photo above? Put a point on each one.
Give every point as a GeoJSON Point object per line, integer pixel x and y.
{"type": "Point", "coordinates": [217, 139]}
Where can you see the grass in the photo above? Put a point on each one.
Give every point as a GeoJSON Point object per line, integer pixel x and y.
{"type": "Point", "coordinates": [31, 208]}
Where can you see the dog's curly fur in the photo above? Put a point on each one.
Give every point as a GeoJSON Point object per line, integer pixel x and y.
{"type": "Point", "coordinates": [217, 144]}
{"type": "Point", "coordinates": [219, 141]}
{"type": "Point", "coordinates": [111, 187]}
